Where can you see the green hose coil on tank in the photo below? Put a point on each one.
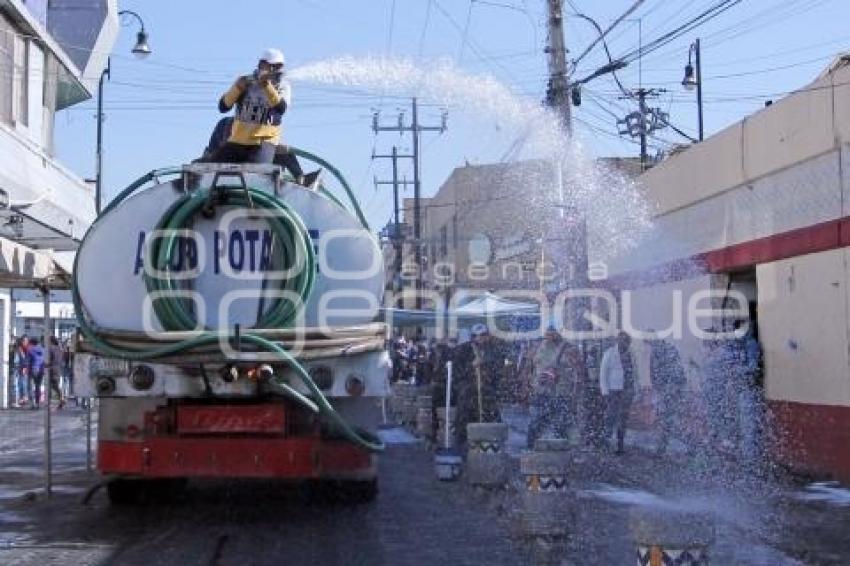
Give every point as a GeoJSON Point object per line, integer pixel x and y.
{"type": "Point", "coordinates": [174, 313]}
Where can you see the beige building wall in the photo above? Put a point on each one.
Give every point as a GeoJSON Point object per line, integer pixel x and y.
{"type": "Point", "coordinates": [803, 311]}
{"type": "Point", "coordinates": [808, 123]}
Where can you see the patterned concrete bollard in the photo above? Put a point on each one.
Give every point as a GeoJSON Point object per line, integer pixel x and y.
{"type": "Point", "coordinates": [486, 458]}
{"type": "Point", "coordinates": [425, 423]}
{"type": "Point", "coordinates": [670, 537]}
{"type": "Point", "coordinates": [441, 424]}
{"type": "Point", "coordinates": [545, 512]}
{"type": "Point", "coordinates": [410, 409]}
{"type": "Point", "coordinates": [401, 393]}
{"type": "Point", "coordinates": [424, 416]}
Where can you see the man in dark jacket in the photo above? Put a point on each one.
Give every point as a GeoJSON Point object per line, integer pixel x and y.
{"type": "Point", "coordinates": [482, 360]}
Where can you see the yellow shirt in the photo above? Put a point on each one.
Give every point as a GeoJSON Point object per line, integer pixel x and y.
{"type": "Point", "coordinates": [258, 116]}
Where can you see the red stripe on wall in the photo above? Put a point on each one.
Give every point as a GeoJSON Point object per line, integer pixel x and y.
{"type": "Point", "coordinates": [812, 438]}
{"type": "Point", "coordinates": [811, 239]}
{"type": "Point", "coordinates": [822, 237]}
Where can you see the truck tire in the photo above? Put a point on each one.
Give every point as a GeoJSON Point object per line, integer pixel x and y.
{"type": "Point", "coordinates": [134, 491]}
{"type": "Point", "coordinates": [344, 491]}
{"type": "Point", "coordinates": [359, 491]}
{"type": "Point", "coordinates": [124, 492]}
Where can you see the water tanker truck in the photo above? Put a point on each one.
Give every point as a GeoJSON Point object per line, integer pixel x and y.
{"type": "Point", "coordinates": [227, 325]}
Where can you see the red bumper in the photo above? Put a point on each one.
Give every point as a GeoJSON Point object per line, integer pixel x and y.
{"type": "Point", "coordinates": [293, 458]}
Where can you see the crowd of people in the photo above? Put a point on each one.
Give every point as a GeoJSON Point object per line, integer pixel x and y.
{"type": "Point", "coordinates": [31, 362]}
{"type": "Point", "coordinates": [589, 392]}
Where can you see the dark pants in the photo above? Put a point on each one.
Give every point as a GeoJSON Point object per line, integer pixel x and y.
{"type": "Point", "coordinates": [237, 153]}
{"type": "Point", "coordinates": [619, 403]}
{"type": "Point", "coordinates": [467, 410]}
{"type": "Point", "coordinates": [288, 161]}
{"type": "Point", "coordinates": [37, 379]}
{"type": "Point", "coordinates": [54, 385]}
{"type": "Point", "coordinates": [546, 410]}
{"type": "Point", "coordinates": [667, 416]}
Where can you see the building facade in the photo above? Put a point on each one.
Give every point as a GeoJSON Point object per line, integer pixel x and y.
{"type": "Point", "coordinates": [52, 54]}
{"type": "Point", "coordinates": [762, 208]}
{"type": "Point", "coordinates": [497, 227]}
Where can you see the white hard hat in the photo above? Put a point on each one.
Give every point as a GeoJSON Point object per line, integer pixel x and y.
{"type": "Point", "coordinates": [273, 56]}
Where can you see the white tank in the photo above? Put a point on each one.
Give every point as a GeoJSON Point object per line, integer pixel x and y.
{"type": "Point", "coordinates": [227, 260]}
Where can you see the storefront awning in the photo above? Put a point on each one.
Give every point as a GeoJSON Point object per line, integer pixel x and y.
{"type": "Point", "coordinates": [21, 266]}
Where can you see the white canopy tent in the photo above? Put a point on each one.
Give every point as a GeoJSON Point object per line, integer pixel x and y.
{"type": "Point", "coordinates": [478, 308]}
{"type": "Point", "coordinates": [490, 304]}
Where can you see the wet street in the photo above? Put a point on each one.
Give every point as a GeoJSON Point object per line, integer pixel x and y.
{"type": "Point", "coordinates": [415, 519]}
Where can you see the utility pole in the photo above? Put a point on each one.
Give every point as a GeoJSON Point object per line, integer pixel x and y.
{"type": "Point", "coordinates": [415, 128]}
{"type": "Point", "coordinates": [396, 236]}
{"type": "Point", "coordinates": [644, 121]}
{"type": "Point", "coordinates": [643, 111]}
{"type": "Point", "coordinates": [558, 93]}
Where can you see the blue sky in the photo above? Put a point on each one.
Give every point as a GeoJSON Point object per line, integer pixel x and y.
{"type": "Point", "coordinates": [160, 110]}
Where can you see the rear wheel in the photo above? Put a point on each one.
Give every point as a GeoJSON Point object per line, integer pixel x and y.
{"type": "Point", "coordinates": [344, 491]}
{"type": "Point", "coordinates": [134, 491]}
{"type": "Point", "coordinates": [361, 491]}
{"type": "Point", "coordinates": [124, 492]}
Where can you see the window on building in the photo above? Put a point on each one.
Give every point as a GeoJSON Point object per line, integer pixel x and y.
{"type": "Point", "coordinates": [454, 231]}
{"type": "Point", "coordinates": [20, 81]}
{"type": "Point", "coordinates": [444, 240]}
{"type": "Point", "coordinates": [48, 95]}
{"type": "Point", "coordinates": [7, 61]}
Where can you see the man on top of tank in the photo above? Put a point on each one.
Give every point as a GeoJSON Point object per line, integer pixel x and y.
{"type": "Point", "coordinates": [261, 100]}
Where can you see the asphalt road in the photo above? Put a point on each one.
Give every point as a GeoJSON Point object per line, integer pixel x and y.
{"type": "Point", "coordinates": [415, 519]}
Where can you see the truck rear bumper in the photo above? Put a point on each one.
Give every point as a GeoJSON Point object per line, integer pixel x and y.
{"type": "Point", "coordinates": [249, 457]}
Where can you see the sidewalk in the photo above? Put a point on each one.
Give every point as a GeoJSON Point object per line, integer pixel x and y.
{"type": "Point", "coordinates": [754, 520]}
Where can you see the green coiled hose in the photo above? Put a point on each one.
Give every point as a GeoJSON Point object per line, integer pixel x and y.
{"type": "Point", "coordinates": [175, 314]}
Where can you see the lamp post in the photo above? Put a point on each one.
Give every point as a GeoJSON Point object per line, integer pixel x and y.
{"type": "Point", "coordinates": [140, 50]}
{"type": "Point", "coordinates": [694, 80]}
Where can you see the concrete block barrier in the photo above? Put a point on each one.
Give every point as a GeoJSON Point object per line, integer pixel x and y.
{"type": "Point", "coordinates": [487, 462]}
{"type": "Point", "coordinates": [671, 537]}
{"type": "Point", "coordinates": [545, 499]}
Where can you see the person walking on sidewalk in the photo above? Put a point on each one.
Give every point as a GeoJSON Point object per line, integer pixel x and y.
{"type": "Point", "coordinates": [35, 363]}
{"type": "Point", "coordinates": [20, 365]}
{"type": "Point", "coordinates": [617, 380]}
{"type": "Point", "coordinates": [54, 370]}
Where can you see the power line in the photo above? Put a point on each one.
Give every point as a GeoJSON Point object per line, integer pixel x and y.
{"type": "Point", "coordinates": [762, 19]}
{"type": "Point", "coordinates": [707, 15]}
{"type": "Point", "coordinates": [602, 34]}
{"type": "Point", "coordinates": [392, 27]}
{"type": "Point", "coordinates": [425, 27]}
{"type": "Point", "coordinates": [465, 31]}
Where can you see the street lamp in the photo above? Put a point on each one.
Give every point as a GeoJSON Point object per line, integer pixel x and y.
{"type": "Point", "coordinates": [694, 80]}
{"type": "Point", "coordinates": [140, 50]}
